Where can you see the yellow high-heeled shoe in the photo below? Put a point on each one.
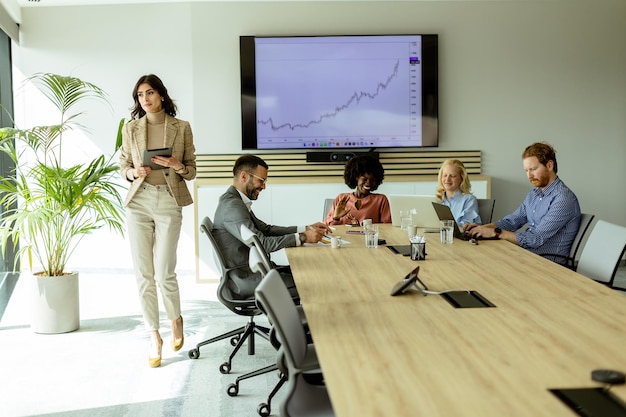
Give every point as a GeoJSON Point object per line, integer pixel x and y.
{"type": "Point", "coordinates": [178, 343]}
{"type": "Point", "coordinates": [155, 361]}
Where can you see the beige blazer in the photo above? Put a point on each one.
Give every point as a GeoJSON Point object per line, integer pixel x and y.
{"type": "Point", "coordinates": [178, 136]}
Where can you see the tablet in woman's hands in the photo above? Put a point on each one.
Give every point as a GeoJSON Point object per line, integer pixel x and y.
{"type": "Point", "coordinates": [148, 154]}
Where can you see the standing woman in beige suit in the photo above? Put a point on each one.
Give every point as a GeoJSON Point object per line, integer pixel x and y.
{"type": "Point", "coordinates": [154, 203]}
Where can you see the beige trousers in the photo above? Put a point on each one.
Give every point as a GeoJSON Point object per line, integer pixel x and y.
{"type": "Point", "coordinates": [154, 222]}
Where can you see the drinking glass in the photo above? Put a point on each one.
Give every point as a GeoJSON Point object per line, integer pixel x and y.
{"type": "Point", "coordinates": [371, 236]}
{"type": "Point", "coordinates": [446, 232]}
{"type": "Point", "coordinates": [405, 219]}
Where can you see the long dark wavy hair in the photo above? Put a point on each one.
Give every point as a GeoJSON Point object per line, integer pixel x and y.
{"type": "Point", "coordinates": [155, 82]}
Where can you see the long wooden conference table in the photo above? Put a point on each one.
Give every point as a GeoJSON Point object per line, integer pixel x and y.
{"type": "Point", "coordinates": [416, 355]}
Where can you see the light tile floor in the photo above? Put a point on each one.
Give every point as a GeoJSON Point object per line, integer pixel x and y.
{"type": "Point", "coordinates": [101, 370]}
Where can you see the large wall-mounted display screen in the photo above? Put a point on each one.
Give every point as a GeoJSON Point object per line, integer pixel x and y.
{"type": "Point", "coordinates": [338, 92]}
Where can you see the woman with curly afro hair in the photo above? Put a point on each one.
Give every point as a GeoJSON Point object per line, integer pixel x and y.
{"type": "Point", "coordinates": [363, 174]}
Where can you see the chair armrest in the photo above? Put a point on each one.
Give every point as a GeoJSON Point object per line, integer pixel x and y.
{"type": "Point", "coordinates": [569, 262]}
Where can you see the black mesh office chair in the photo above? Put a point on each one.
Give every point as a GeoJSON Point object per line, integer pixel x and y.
{"type": "Point", "coordinates": [259, 264]}
{"type": "Point", "coordinates": [259, 261]}
{"type": "Point", "coordinates": [242, 307]}
{"type": "Point", "coordinates": [304, 397]}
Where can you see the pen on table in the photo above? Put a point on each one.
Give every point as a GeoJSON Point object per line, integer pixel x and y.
{"type": "Point", "coordinates": [326, 239]}
{"type": "Point", "coordinates": [309, 227]}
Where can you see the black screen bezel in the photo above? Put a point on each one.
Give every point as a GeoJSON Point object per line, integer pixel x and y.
{"type": "Point", "coordinates": [247, 56]}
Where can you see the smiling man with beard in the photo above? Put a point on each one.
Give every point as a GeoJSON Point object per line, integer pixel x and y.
{"type": "Point", "coordinates": [234, 209]}
{"type": "Point", "coordinates": [550, 210]}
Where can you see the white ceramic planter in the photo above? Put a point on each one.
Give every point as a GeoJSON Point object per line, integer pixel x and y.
{"type": "Point", "coordinates": [55, 304]}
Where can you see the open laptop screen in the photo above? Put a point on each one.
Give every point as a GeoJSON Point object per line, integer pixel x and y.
{"type": "Point", "coordinates": [424, 215]}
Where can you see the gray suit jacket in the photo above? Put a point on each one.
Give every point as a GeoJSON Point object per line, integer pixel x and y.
{"type": "Point", "coordinates": [178, 136]}
{"type": "Point", "coordinates": [230, 214]}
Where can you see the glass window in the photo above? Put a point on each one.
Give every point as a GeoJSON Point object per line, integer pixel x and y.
{"type": "Point", "coordinates": [7, 279]}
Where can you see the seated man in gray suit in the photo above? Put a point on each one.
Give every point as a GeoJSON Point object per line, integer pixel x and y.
{"type": "Point", "coordinates": [234, 209]}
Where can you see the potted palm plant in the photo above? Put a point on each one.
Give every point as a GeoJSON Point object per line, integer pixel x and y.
{"type": "Point", "coordinates": [50, 207]}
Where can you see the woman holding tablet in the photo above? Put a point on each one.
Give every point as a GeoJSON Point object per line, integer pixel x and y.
{"type": "Point", "coordinates": [154, 202]}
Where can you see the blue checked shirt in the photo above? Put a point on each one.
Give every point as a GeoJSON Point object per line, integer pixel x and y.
{"type": "Point", "coordinates": [552, 216]}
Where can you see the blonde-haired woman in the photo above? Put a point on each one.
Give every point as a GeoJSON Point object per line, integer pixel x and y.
{"type": "Point", "coordinates": [455, 191]}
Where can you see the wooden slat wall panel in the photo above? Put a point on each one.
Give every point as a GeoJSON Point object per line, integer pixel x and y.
{"type": "Point", "coordinates": [290, 167]}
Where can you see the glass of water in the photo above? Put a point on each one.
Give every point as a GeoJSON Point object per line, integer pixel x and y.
{"type": "Point", "coordinates": [405, 219]}
{"type": "Point", "coordinates": [446, 231]}
{"type": "Point", "coordinates": [371, 236]}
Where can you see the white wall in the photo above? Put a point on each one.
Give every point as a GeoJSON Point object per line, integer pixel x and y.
{"type": "Point", "coordinates": [511, 72]}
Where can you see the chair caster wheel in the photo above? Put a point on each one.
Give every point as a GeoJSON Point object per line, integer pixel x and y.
{"type": "Point", "coordinates": [234, 341]}
{"type": "Point", "coordinates": [225, 368]}
{"type": "Point", "coordinates": [194, 353]}
{"type": "Point", "coordinates": [263, 410]}
{"type": "Point", "coordinates": [232, 390]}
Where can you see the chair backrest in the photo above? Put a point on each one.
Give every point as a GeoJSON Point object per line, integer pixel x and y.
{"type": "Point", "coordinates": [206, 226]}
{"type": "Point", "coordinates": [244, 307]}
{"type": "Point", "coordinates": [585, 222]}
{"type": "Point", "coordinates": [602, 252]}
{"type": "Point", "coordinates": [274, 299]}
{"type": "Point", "coordinates": [328, 204]}
{"type": "Point", "coordinates": [252, 240]}
{"type": "Point", "coordinates": [485, 209]}
{"type": "Point", "coordinates": [257, 264]}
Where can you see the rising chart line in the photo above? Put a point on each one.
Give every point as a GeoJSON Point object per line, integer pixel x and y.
{"type": "Point", "coordinates": [356, 97]}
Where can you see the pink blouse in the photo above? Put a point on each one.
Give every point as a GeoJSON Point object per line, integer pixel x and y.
{"type": "Point", "coordinates": [374, 206]}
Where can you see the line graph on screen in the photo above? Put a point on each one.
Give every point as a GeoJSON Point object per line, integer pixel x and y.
{"type": "Point", "coordinates": [355, 99]}
{"type": "Point", "coordinates": [333, 91]}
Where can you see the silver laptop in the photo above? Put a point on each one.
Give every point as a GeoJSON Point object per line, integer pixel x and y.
{"type": "Point", "coordinates": [424, 216]}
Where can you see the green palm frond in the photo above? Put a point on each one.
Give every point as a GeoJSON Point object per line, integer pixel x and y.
{"type": "Point", "coordinates": [49, 208]}
{"type": "Point", "coordinates": [66, 91]}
